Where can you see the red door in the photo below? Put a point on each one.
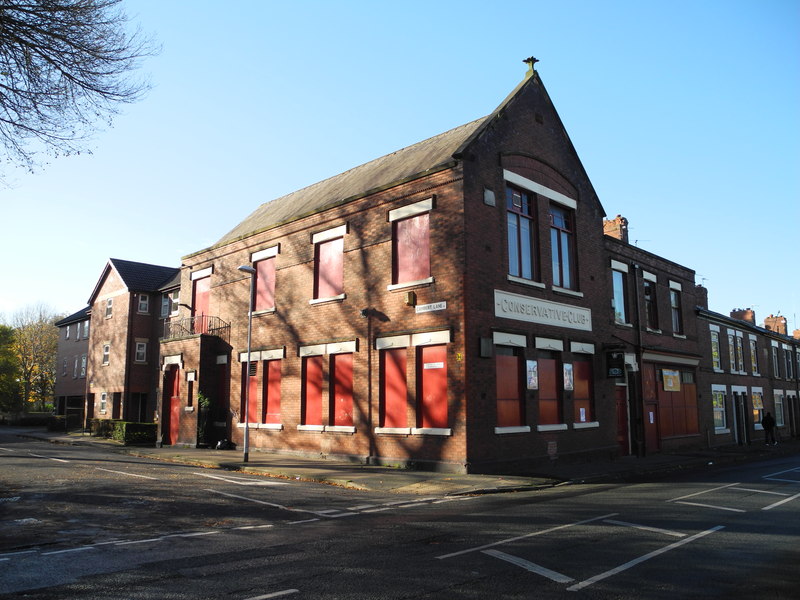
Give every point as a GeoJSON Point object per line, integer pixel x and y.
{"type": "Point", "coordinates": [623, 439]}
{"type": "Point", "coordinates": [172, 405]}
{"type": "Point", "coordinates": [200, 300]}
{"type": "Point", "coordinates": [312, 392]}
{"type": "Point", "coordinates": [394, 389]}
{"type": "Point", "coordinates": [432, 376]}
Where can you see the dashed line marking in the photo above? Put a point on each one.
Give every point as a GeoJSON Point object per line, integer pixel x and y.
{"type": "Point", "coordinates": [81, 549]}
{"type": "Point", "coordinates": [242, 480]}
{"type": "Point", "coordinates": [48, 457]}
{"type": "Point", "coordinates": [728, 508]}
{"type": "Point", "coordinates": [274, 595]}
{"type": "Point", "coordinates": [779, 502]}
{"type": "Point", "coordinates": [722, 487]}
{"type": "Point", "coordinates": [126, 473]}
{"type": "Point", "coordinates": [741, 489]}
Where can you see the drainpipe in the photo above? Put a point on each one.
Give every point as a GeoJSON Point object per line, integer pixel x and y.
{"type": "Point", "coordinates": [641, 440]}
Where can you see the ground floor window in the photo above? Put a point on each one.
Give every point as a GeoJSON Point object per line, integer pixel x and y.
{"type": "Point", "coordinates": [718, 405]}
{"type": "Point", "coordinates": [510, 398]}
{"type": "Point", "coordinates": [394, 388]}
{"type": "Point", "coordinates": [583, 395]}
{"type": "Point", "coordinates": [549, 389]}
{"type": "Point", "coordinates": [271, 392]}
{"type": "Point", "coordinates": [249, 413]}
{"type": "Point", "coordinates": [432, 386]}
{"type": "Point", "coordinates": [311, 409]}
{"type": "Point", "coordinates": [779, 418]}
{"type": "Point", "coordinates": [758, 406]}
{"type": "Point", "coordinates": [341, 401]}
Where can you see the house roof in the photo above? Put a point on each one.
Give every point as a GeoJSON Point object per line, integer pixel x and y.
{"type": "Point", "coordinates": [424, 157]}
{"type": "Point", "coordinates": [81, 315]}
{"type": "Point", "coordinates": [137, 277]}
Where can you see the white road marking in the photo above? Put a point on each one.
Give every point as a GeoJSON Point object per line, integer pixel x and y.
{"type": "Point", "coordinates": [274, 595]}
{"type": "Point", "coordinates": [361, 507]}
{"type": "Point", "coordinates": [7, 449]}
{"type": "Point", "coordinates": [529, 566]}
{"type": "Point", "coordinates": [779, 502]}
{"type": "Point", "coordinates": [81, 549]}
{"type": "Point", "coordinates": [722, 487]}
{"type": "Point", "coordinates": [48, 457]}
{"type": "Point", "coordinates": [527, 535]}
{"type": "Point", "coordinates": [280, 506]}
{"type": "Point", "coordinates": [641, 559]}
{"type": "Point", "coordinates": [646, 528]}
{"type": "Point", "coordinates": [253, 527]}
{"type": "Point", "coordinates": [168, 536]}
{"type": "Point", "coordinates": [740, 489]}
{"type": "Point", "coordinates": [124, 473]}
{"type": "Point", "coordinates": [242, 480]}
{"type": "Point", "coordinates": [796, 469]}
{"type": "Point", "coordinates": [713, 506]}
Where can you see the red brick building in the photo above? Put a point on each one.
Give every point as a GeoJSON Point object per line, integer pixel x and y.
{"type": "Point", "coordinates": [444, 306]}
{"type": "Point", "coordinates": [122, 374]}
{"type": "Point", "coordinates": [71, 364]}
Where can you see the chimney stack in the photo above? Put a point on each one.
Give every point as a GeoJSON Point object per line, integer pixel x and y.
{"type": "Point", "coordinates": [616, 228]}
{"type": "Point", "coordinates": [744, 314]}
{"type": "Point", "coordinates": [776, 324]}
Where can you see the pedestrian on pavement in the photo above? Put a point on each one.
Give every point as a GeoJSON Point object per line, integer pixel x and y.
{"type": "Point", "coordinates": [768, 423]}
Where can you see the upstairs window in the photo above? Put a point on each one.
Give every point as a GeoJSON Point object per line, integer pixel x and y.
{"type": "Point", "coordinates": [83, 365]}
{"type": "Point", "coordinates": [740, 353]}
{"type": "Point", "coordinates": [265, 284]}
{"type": "Point", "coordinates": [521, 234]}
{"type": "Point", "coordinates": [561, 247]}
{"type": "Point", "coordinates": [619, 283]}
{"type": "Point", "coordinates": [66, 332]}
{"type": "Point", "coordinates": [676, 311]}
{"type": "Point", "coordinates": [732, 352]}
{"type": "Point", "coordinates": [329, 263]}
{"type": "Point", "coordinates": [411, 243]}
{"type": "Point", "coordinates": [754, 357]}
{"type": "Point", "coordinates": [144, 304]}
{"type": "Point", "coordinates": [788, 356]}
{"type": "Point", "coordinates": [106, 353]}
{"type": "Point", "coordinates": [776, 370]}
{"type": "Point", "coordinates": [109, 308]}
{"type": "Point", "coordinates": [716, 359]}
{"type": "Point", "coordinates": [86, 330]}
{"type": "Point", "coordinates": [141, 352]}
{"type": "Point", "coordinates": [650, 304]}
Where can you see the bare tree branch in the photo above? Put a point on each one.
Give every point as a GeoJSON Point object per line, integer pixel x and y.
{"type": "Point", "coordinates": [65, 65]}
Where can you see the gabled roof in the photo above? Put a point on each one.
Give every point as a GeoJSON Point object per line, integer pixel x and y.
{"type": "Point", "coordinates": [424, 157]}
{"type": "Point", "coordinates": [137, 277]}
{"type": "Point", "coordinates": [81, 315]}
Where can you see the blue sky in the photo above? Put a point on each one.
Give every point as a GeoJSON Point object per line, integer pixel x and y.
{"type": "Point", "coordinates": [686, 116]}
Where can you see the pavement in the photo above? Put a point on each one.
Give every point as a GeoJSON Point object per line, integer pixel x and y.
{"type": "Point", "coordinates": [408, 481]}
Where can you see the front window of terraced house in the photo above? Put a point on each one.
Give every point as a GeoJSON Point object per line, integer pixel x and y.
{"type": "Point", "coordinates": [521, 234]}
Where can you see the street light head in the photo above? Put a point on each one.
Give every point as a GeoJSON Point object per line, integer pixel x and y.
{"type": "Point", "coordinates": [247, 269]}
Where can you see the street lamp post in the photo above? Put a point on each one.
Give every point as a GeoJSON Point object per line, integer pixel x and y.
{"type": "Point", "coordinates": [252, 272]}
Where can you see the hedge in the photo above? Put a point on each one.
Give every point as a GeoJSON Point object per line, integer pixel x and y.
{"type": "Point", "coordinates": [124, 431]}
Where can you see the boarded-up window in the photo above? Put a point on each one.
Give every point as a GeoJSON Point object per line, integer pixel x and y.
{"type": "Point", "coordinates": [549, 396]}
{"type": "Point", "coordinates": [342, 390]}
{"type": "Point", "coordinates": [312, 391]}
{"type": "Point", "coordinates": [582, 396]}
{"type": "Point", "coordinates": [432, 382]}
{"type": "Point", "coordinates": [250, 389]}
{"type": "Point", "coordinates": [272, 392]}
{"type": "Point", "coordinates": [412, 261]}
{"type": "Point", "coordinates": [394, 388]}
{"type": "Point", "coordinates": [265, 284]}
{"type": "Point", "coordinates": [329, 268]}
{"type": "Point", "coordinates": [508, 371]}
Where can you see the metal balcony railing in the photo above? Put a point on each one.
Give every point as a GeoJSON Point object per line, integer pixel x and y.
{"type": "Point", "coordinates": [200, 324]}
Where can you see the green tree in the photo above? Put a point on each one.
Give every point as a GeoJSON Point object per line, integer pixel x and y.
{"type": "Point", "coordinates": [10, 396]}
{"type": "Point", "coordinates": [36, 348]}
{"type": "Point", "coordinates": [65, 65]}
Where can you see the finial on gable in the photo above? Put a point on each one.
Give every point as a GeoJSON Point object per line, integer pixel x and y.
{"type": "Point", "coordinates": [530, 61]}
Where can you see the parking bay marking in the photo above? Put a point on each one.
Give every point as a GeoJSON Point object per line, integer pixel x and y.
{"type": "Point", "coordinates": [125, 473]}
{"type": "Point", "coordinates": [241, 480]}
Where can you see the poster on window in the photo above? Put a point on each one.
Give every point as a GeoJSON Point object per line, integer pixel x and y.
{"type": "Point", "coordinates": [569, 377]}
{"type": "Point", "coordinates": [758, 403]}
{"type": "Point", "coordinates": [672, 380]}
{"type": "Point", "coordinates": [532, 377]}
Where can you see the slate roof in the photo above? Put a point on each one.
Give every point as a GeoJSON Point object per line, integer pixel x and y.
{"type": "Point", "coordinates": [424, 157]}
{"type": "Point", "coordinates": [141, 277]}
{"type": "Point", "coordinates": [81, 315]}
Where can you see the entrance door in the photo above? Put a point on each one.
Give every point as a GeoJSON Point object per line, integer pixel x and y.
{"type": "Point", "coordinates": [432, 375]}
{"type": "Point", "coordinates": [623, 428]}
{"type": "Point", "coordinates": [171, 405]}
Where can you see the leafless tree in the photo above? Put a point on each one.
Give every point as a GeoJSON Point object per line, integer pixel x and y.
{"type": "Point", "coordinates": [65, 67]}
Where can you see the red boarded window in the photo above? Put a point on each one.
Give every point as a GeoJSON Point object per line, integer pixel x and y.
{"type": "Point", "coordinates": [329, 268]}
{"type": "Point", "coordinates": [412, 261]}
{"type": "Point", "coordinates": [508, 371]}
{"type": "Point", "coordinates": [549, 402]}
{"type": "Point", "coordinates": [432, 382]}
{"type": "Point", "coordinates": [583, 400]}
{"type": "Point", "coordinates": [272, 392]}
{"type": "Point", "coordinates": [265, 284]}
{"type": "Point", "coordinates": [394, 388]}
{"type": "Point", "coordinates": [312, 391]}
{"type": "Point", "coordinates": [250, 386]}
{"type": "Point", "coordinates": [342, 390]}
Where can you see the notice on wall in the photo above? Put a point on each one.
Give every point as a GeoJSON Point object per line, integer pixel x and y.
{"type": "Point", "coordinates": [569, 378]}
{"type": "Point", "coordinates": [672, 380]}
{"type": "Point", "coordinates": [434, 365]}
{"type": "Point", "coordinates": [583, 415]}
{"type": "Point", "coordinates": [532, 374]}
{"type": "Point", "coordinates": [423, 308]}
